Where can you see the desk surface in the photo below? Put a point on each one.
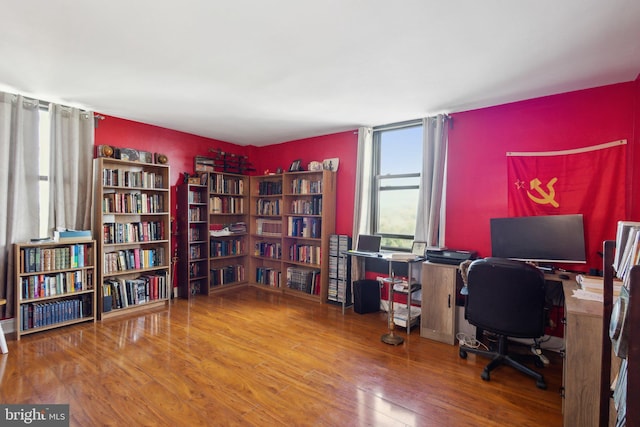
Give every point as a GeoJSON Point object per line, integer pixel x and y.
{"type": "Point", "coordinates": [386, 256]}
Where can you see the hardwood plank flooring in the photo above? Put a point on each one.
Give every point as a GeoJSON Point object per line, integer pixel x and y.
{"type": "Point", "coordinates": [253, 358]}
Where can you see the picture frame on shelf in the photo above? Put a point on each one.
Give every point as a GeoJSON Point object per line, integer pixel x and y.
{"type": "Point", "coordinates": [419, 248]}
{"type": "Point", "coordinates": [295, 165]}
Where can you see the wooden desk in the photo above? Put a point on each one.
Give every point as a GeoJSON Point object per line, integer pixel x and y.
{"type": "Point", "coordinates": [583, 354]}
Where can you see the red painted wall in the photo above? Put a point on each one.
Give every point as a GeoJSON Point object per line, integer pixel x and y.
{"type": "Point", "coordinates": [179, 147]}
{"type": "Point", "coordinates": [342, 145]}
{"type": "Point", "coordinates": [479, 139]}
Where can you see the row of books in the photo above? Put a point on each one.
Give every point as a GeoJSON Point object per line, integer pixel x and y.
{"type": "Point", "coordinates": [627, 248]}
{"type": "Point", "coordinates": [127, 292]}
{"type": "Point", "coordinates": [268, 250]}
{"type": "Point", "coordinates": [304, 280]}
{"type": "Point", "coordinates": [145, 231]}
{"type": "Point", "coordinates": [196, 197]}
{"type": "Point", "coordinates": [197, 252]}
{"type": "Point", "coordinates": [307, 254]}
{"type": "Point", "coordinates": [197, 269]}
{"type": "Point", "coordinates": [268, 276]}
{"type": "Point", "coordinates": [36, 259]}
{"type": "Point", "coordinates": [307, 207]}
{"type": "Point", "coordinates": [305, 227]}
{"type": "Point", "coordinates": [197, 234]}
{"type": "Point", "coordinates": [131, 179]}
{"type": "Point", "coordinates": [226, 205]}
{"type": "Point", "coordinates": [269, 227]}
{"type": "Point", "coordinates": [38, 315]}
{"type": "Point", "coordinates": [268, 207]}
{"type": "Point", "coordinates": [227, 274]}
{"type": "Point", "coordinates": [48, 285]}
{"type": "Point", "coordinates": [223, 184]}
{"type": "Point", "coordinates": [133, 259]}
{"type": "Point", "coordinates": [197, 213]}
{"type": "Point", "coordinates": [225, 247]}
{"type": "Point", "coordinates": [306, 186]}
{"type": "Point", "coordinates": [270, 188]}
{"type": "Point", "coordinates": [133, 203]}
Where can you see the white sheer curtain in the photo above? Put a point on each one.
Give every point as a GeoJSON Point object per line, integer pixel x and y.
{"type": "Point", "coordinates": [362, 201]}
{"type": "Point", "coordinates": [431, 203]}
{"type": "Point", "coordinates": [70, 173]}
{"type": "Point", "coordinates": [19, 178]}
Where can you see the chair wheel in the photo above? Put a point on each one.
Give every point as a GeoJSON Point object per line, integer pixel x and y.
{"type": "Point", "coordinates": [541, 384]}
{"type": "Point", "coordinates": [486, 376]}
{"type": "Point", "coordinates": [463, 354]}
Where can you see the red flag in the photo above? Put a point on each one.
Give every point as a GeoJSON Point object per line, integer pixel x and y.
{"type": "Point", "coordinates": [588, 181]}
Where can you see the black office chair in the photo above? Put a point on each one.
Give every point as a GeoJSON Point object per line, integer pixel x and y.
{"type": "Point", "coordinates": [505, 298]}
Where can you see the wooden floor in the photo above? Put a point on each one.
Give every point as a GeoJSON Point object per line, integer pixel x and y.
{"type": "Point", "coordinates": [253, 358]}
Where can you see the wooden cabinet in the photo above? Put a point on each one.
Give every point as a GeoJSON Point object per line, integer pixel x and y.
{"type": "Point", "coordinates": [440, 284]}
{"type": "Point", "coordinates": [133, 229]}
{"type": "Point", "coordinates": [265, 226]}
{"type": "Point", "coordinates": [228, 238]}
{"type": "Point", "coordinates": [193, 238]}
{"type": "Point", "coordinates": [56, 285]}
{"type": "Point", "coordinates": [292, 217]}
{"type": "Point", "coordinates": [582, 363]}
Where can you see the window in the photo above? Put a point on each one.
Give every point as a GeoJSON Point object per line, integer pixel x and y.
{"type": "Point", "coordinates": [397, 164]}
{"type": "Point", "coordinates": [43, 168]}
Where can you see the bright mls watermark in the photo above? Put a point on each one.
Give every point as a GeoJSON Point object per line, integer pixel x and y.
{"type": "Point", "coordinates": [34, 415]}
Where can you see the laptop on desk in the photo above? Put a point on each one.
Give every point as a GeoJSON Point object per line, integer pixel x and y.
{"type": "Point", "coordinates": [367, 245]}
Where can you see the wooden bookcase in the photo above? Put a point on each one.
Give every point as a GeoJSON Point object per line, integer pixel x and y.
{"type": "Point", "coordinates": [265, 225]}
{"type": "Point", "coordinates": [55, 285]}
{"type": "Point", "coordinates": [290, 229]}
{"type": "Point", "coordinates": [133, 229]}
{"type": "Point", "coordinates": [228, 240]}
{"type": "Point", "coordinates": [193, 238]}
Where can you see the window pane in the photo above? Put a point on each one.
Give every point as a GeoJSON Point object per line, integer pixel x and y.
{"type": "Point", "coordinates": [44, 209]}
{"type": "Point", "coordinates": [404, 181]}
{"type": "Point", "coordinates": [45, 128]}
{"type": "Point", "coordinates": [401, 150]}
{"type": "Point", "coordinates": [397, 212]}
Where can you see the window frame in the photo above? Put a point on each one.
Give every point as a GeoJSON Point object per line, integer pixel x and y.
{"type": "Point", "coordinates": [377, 187]}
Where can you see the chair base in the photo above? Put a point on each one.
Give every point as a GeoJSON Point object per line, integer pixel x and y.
{"type": "Point", "coordinates": [501, 357]}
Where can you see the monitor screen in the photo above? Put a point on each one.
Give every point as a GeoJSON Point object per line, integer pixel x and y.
{"type": "Point", "coordinates": [547, 238]}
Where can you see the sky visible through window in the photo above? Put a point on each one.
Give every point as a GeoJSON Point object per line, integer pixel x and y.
{"type": "Point", "coordinates": [400, 153]}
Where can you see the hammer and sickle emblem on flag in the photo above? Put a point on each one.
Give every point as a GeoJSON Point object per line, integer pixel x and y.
{"type": "Point", "coordinates": [547, 197]}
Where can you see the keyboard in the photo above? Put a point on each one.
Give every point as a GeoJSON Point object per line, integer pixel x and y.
{"type": "Point", "coordinates": [363, 253]}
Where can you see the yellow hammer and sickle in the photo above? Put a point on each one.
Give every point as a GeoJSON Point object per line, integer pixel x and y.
{"type": "Point", "coordinates": [547, 198]}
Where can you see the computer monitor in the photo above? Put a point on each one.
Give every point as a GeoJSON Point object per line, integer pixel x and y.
{"type": "Point", "coordinates": [545, 238]}
{"type": "Point", "coordinates": [368, 243]}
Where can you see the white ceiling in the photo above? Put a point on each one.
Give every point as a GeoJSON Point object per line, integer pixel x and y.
{"type": "Point", "coordinates": [257, 72]}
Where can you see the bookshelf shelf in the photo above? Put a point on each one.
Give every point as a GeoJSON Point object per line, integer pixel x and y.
{"type": "Point", "coordinates": [292, 216]}
{"type": "Point", "coordinates": [211, 261]}
{"type": "Point", "coordinates": [132, 220]}
{"type": "Point", "coordinates": [55, 283]}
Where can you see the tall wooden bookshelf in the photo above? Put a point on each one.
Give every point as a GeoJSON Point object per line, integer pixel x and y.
{"type": "Point", "coordinates": [265, 224]}
{"type": "Point", "coordinates": [290, 229]}
{"type": "Point", "coordinates": [228, 240]}
{"type": "Point", "coordinates": [133, 229]}
{"type": "Point", "coordinates": [193, 238]}
{"type": "Point", "coordinates": [55, 285]}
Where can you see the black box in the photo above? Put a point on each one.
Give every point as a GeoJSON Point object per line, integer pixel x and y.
{"type": "Point", "coordinates": [366, 296]}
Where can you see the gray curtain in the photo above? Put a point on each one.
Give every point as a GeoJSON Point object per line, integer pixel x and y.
{"type": "Point", "coordinates": [70, 173]}
{"type": "Point", "coordinates": [19, 178]}
{"type": "Point", "coordinates": [362, 201]}
{"type": "Point", "coordinates": [430, 222]}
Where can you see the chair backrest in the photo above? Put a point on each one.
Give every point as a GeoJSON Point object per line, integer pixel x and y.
{"type": "Point", "coordinates": [506, 297]}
